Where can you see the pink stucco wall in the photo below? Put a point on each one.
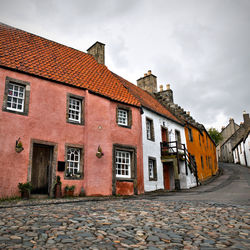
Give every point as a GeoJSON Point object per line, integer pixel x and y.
{"type": "Point", "coordinates": [46, 121]}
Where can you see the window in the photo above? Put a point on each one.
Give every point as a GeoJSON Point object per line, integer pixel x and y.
{"type": "Point", "coordinates": [124, 116]}
{"type": "Point", "coordinates": [190, 134]}
{"type": "Point", "coordinates": [75, 108]}
{"type": "Point", "coordinates": [15, 100]}
{"type": "Point", "coordinates": [16, 96]}
{"type": "Point", "coordinates": [123, 164]}
{"type": "Point", "coordinates": [150, 129]}
{"type": "Point", "coordinates": [152, 170]}
{"type": "Point", "coordinates": [202, 164]}
{"type": "Point", "coordinates": [200, 139]}
{"type": "Point", "coordinates": [178, 138]}
{"type": "Point", "coordinates": [74, 162]}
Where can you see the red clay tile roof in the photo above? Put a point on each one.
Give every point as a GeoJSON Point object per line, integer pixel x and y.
{"type": "Point", "coordinates": [25, 52]}
{"type": "Point", "coordinates": [147, 100]}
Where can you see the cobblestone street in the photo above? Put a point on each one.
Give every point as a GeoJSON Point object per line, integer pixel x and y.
{"type": "Point", "coordinates": [178, 221]}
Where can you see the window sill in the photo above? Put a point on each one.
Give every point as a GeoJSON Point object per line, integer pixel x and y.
{"type": "Point", "coordinates": [124, 126]}
{"type": "Point", "coordinates": [73, 178]}
{"type": "Point", "coordinates": [124, 179]}
{"type": "Point", "coordinates": [15, 112]}
{"type": "Point", "coordinates": [75, 123]}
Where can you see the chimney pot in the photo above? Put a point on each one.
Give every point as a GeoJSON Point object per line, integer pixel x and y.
{"type": "Point", "coordinates": [188, 112]}
{"type": "Point", "coordinates": [168, 86]}
{"type": "Point", "coordinates": [145, 74]}
{"type": "Point", "coordinates": [161, 88]}
{"type": "Point", "coordinates": [149, 72]}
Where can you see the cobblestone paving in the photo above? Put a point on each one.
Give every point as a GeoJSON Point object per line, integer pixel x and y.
{"type": "Point", "coordinates": [122, 224]}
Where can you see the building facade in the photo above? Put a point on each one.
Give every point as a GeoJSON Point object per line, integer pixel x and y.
{"type": "Point", "coordinates": [164, 168]}
{"type": "Point", "coordinates": [69, 116]}
{"type": "Point", "coordinates": [201, 148]}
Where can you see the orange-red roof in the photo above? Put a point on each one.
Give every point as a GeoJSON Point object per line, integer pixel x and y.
{"type": "Point", "coordinates": [25, 52]}
{"type": "Point", "coordinates": [147, 100]}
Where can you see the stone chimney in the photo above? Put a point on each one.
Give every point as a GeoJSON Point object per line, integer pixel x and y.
{"type": "Point", "coordinates": [246, 119]}
{"type": "Point", "coordinates": [97, 50]}
{"type": "Point", "coordinates": [165, 95]}
{"type": "Point", "coordinates": [148, 82]}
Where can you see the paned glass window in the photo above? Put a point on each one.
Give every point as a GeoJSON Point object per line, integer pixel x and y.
{"type": "Point", "coordinates": [122, 117]}
{"type": "Point", "coordinates": [15, 99]}
{"type": "Point", "coordinates": [151, 169]}
{"type": "Point", "coordinates": [74, 110]}
{"type": "Point", "coordinates": [123, 164]}
{"type": "Point", "coordinates": [149, 129]}
{"type": "Point", "coordinates": [73, 160]}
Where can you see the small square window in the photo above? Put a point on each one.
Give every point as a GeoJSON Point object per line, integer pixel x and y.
{"type": "Point", "coordinates": [122, 117]}
{"type": "Point", "coordinates": [16, 98]}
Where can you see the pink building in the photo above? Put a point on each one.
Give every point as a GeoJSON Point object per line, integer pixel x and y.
{"type": "Point", "coordinates": [73, 117]}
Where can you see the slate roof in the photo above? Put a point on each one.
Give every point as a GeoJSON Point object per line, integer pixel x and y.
{"type": "Point", "coordinates": [147, 100]}
{"type": "Point", "coordinates": [32, 54]}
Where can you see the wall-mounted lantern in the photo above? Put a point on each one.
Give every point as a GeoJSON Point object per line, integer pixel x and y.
{"type": "Point", "coordinates": [99, 153]}
{"type": "Point", "coordinates": [19, 146]}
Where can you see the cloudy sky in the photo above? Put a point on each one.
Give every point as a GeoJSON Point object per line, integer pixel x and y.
{"type": "Point", "coordinates": [202, 48]}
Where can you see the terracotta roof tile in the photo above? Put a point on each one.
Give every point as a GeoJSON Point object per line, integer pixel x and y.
{"type": "Point", "coordinates": [38, 56]}
{"type": "Point", "coordinates": [147, 100]}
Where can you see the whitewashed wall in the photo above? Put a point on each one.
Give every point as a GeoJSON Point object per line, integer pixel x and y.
{"type": "Point", "coordinates": [152, 149]}
{"type": "Point", "coordinates": [247, 149]}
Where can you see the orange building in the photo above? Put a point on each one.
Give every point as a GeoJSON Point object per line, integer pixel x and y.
{"type": "Point", "coordinates": [200, 145]}
{"type": "Point", "coordinates": [203, 149]}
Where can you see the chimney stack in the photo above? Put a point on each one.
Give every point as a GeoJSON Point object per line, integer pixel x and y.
{"type": "Point", "coordinates": [161, 88]}
{"type": "Point", "coordinates": [97, 50]}
{"type": "Point", "coordinates": [246, 119]}
{"type": "Point", "coordinates": [148, 82]}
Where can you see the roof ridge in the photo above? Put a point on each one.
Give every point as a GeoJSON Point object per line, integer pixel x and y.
{"type": "Point", "coordinates": [12, 27]}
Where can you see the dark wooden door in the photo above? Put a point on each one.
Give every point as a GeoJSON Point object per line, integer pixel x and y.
{"type": "Point", "coordinates": [164, 134]}
{"type": "Point", "coordinates": [41, 169]}
{"type": "Point", "coordinates": [166, 174]}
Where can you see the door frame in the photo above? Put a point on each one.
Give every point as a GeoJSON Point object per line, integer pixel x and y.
{"type": "Point", "coordinates": [54, 147]}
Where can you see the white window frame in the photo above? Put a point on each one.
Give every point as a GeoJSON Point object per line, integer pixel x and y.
{"type": "Point", "coordinates": [151, 169]}
{"type": "Point", "coordinates": [74, 163]}
{"type": "Point", "coordinates": [123, 164]}
{"type": "Point", "coordinates": [149, 129]}
{"type": "Point", "coordinates": [122, 117]}
{"type": "Point", "coordinates": [16, 89]}
{"type": "Point", "coordinates": [78, 103]}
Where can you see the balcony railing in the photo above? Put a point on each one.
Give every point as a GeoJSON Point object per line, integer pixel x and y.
{"type": "Point", "coordinates": [175, 149]}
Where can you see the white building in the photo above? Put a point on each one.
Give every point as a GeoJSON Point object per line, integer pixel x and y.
{"type": "Point", "coordinates": [161, 171]}
{"type": "Point", "coordinates": [241, 142]}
